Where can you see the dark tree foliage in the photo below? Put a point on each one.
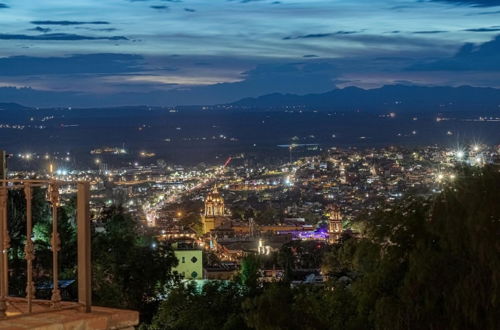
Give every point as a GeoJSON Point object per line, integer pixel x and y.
{"type": "Point", "coordinates": [129, 271]}
{"type": "Point", "coordinates": [41, 219]}
{"type": "Point", "coordinates": [272, 309]}
{"type": "Point", "coordinates": [249, 274]}
{"type": "Point", "coordinates": [428, 263]}
{"type": "Point", "coordinates": [217, 305]}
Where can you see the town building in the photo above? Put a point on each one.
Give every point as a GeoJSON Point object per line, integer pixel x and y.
{"type": "Point", "coordinates": [190, 257]}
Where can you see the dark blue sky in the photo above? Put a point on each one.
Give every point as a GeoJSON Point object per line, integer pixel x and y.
{"type": "Point", "coordinates": [87, 52]}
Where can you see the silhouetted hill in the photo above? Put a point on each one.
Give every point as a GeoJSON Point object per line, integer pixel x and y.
{"type": "Point", "coordinates": [392, 97]}
{"type": "Point", "coordinates": [11, 107]}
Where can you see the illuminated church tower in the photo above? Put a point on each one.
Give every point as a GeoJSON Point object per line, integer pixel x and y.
{"type": "Point", "coordinates": [335, 224]}
{"type": "Point", "coordinates": [214, 211]}
{"type": "Point", "coordinates": [343, 176]}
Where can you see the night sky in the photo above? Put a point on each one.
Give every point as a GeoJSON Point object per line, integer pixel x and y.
{"type": "Point", "coordinates": [214, 51]}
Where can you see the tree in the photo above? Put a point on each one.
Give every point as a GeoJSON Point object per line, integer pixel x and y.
{"type": "Point", "coordinates": [249, 273]}
{"type": "Point", "coordinates": [429, 263]}
{"type": "Point", "coordinates": [272, 310]}
{"type": "Point", "coordinates": [192, 221]}
{"type": "Point", "coordinates": [129, 271]}
{"type": "Point", "coordinates": [217, 305]}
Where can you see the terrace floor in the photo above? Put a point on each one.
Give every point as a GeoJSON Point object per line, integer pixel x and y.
{"type": "Point", "coordinates": [100, 318]}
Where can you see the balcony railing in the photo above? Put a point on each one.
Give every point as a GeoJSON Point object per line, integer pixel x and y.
{"type": "Point", "coordinates": [10, 306]}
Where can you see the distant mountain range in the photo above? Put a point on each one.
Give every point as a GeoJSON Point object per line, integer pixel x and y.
{"type": "Point", "coordinates": [386, 98]}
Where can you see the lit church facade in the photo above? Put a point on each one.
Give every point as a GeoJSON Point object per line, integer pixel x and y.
{"type": "Point", "coordinates": [334, 225]}
{"type": "Point", "coordinates": [215, 212]}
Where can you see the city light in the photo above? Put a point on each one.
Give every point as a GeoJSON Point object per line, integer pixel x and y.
{"type": "Point", "coordinates": [62, 172]}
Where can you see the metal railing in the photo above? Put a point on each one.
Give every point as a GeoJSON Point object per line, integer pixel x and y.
{"type": "Point", "coordinates": [83, 246]}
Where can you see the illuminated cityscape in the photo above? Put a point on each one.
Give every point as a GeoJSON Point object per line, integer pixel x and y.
{"type": "Point", "coordinates": [291, 200]}
{"type": "Point", "coordinates": [249, 164]}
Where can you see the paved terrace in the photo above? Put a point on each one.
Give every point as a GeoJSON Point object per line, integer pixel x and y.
{"type": "Point", "coordinates": [68, 317]}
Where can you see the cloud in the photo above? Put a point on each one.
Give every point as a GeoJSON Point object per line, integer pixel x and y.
{"type": "Point", "coordinates": [245, 1]}
{"type": "Point", "coordinates": [490, 29]}
{"type": "Point", "coordinates": [319, 35]}
{"type": "Point", "coordinates": [159, 7]}
{"type": "Point", "coordinates": [40, 29]}
{"type": "Point", "coordinates": [474, 3]}
{"type": "Point", "coordinates": [482, 57]}
{"type": "Point", "coordinates": [68, 22]}
{"type": "Point", "coordinates": [56, 37]}
{"type": "Point", "coordinates": [309, 36]}
{"type": "Point", "coordinates": [428, 32]}
{"type": "Point", "coordinates": [3, 6]}
{"type": "Point", "coordinates": [300, 78]}
{"type": "Point", "coordinates": [96, 29]}
{"type": "Point", "coordinates": [74, 64]}
{"type": "Point", "coordinates": [485, 13]}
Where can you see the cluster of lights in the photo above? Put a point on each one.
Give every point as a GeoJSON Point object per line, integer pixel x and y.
{"type": "Point", "coordinates": [62, 172]}
{"type": "Point", "coordinates": [460, 154]}
{"type": "Point", "coordinates": [441, 177]}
